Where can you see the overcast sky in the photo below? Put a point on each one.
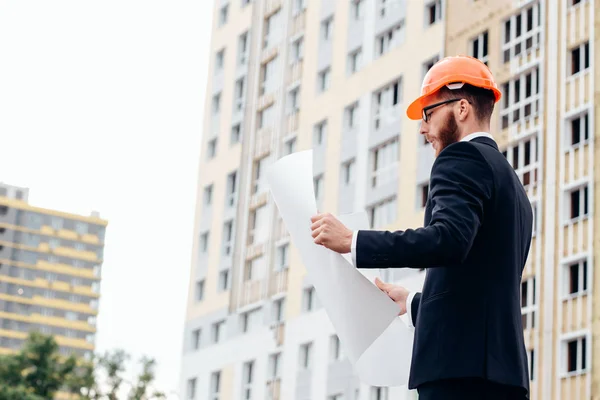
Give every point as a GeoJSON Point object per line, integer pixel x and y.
{"type": "Point", "coordinates": [101, 109]}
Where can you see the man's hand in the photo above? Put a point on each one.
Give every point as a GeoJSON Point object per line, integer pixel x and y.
{"type": "Point", "coordinates": [328, 231]}
{"type": "Point", "coordinates": [395, 292]}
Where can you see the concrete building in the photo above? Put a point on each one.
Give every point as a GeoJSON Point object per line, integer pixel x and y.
{"type": "Point", "coordinates": [542, 54]}
{"type": "Point", "coordinates": [50, 263]}
{"type": "Point", "coordinates": [336, 76]}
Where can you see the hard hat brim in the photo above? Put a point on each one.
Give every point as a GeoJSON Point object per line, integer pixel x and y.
{"type": "Point", "coordinates": [415, 109]}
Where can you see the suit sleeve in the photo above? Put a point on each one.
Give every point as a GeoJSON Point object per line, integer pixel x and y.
{"type": "Point", "coordinates": [461, 183]}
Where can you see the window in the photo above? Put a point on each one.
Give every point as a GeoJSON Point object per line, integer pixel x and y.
{"type": "Point", "coordinates": [427, 65]}
{"type": "Point", "coordinates": [523, 156]}
{"type": "Point", "coordinates": [196, 334]}
{"type": "Point", "coordinates": [383, 213]}
{"type": "Point", "coordinates": [433, 12]}
{"type": "Point", "coordinates": [522, 32]}
{"type": "Point", "coordinates": [223, 280]}
{"type": "Point", "coordinates": [246, 2]}
{"type": "Point", "coordinates": [227, 238]}
{"type": "Point", "coordinates": [254, 269]}
{"type": "Point", "coordinates": [204, 237]}
{"type": "Point", "coordinates": [215, 385]}
{"type": "Point", "coordinates": [385, 103]}
{"type": "Point", "coordinates": [479, 47]}
{"type": "Point", "coordinates": [348, 172]}
{"type": "Point", "coordinates": [191, 389]}
{"type": "Point", "coordinates": [269, 76]}
{"type": "Point", "coordinates": [251, 320]}
{"type": "Point", "coordinates": [297, 50]}
{"type": "Point", "coordinates": [278, 310]}
{"type": "Point", "coordinates": [575, 351]}
{"type": "Point", "coordinates": [223, 14]}
{"type": "Point", "coordinates": [259, 225]}
{"type": "Point", "coordinates": [81, 228]}
{"type": "Point", "coordinates": [3, 210]}
{"type": "Point", "coordinates": [219, 61]}
{"type": "Point", "coordinates": [305, 355]}
{"type": "Point", "coordinates": [579, 203]}
{"type": "Point", "coordinates": [354, 61]}
{"type": "Point", "coordinates": [216, 104]}
{"type": "Point", "coordinates": [238, 102]}
{"type": "Point", "coordinates": [283, 256]}
{"type": "Point", "coordinates": [390, 39]}
{"type": "Point", "coordinates": [320, 134]}
{"type": "Point", "coordinates": [266, 117]}
{"type": "Point", "coordinates": [338, 396]}
{"type": "Point", "coordinates": [423, 194]}
{"type": "Point", "coordinates": [247, 380]}
{"type": "Point", "coordinates": [217, 331]}
{"type": "Point", "coordinates": [56, 223]}
{"type": "Point", "coordinates": [274, 364]}
{"type": "Point", "coordinates": [323, 81]}
{"type": "Point", "coordinates": [357, 9]}
{"type": "Point", "coordinates": [299, 6]}
{"type": "Point", "coordinates": [308, 299]}
{"type": "Point", "coordinates": [379, 393]}
{"type": "Point", "coordinates": [350, 116]}
{"type": "Point", "coordinates": [580, 58]}
{"type": "Point", "coordinates": [293, 100]}
{"type": "Point", "coordinates": [534, 208]}
{"type": "Point", "coordinates": [327, 28]}
{"type": "Point", "coordinates": [243, 48]}
{"type": "Point", "coordinates": [384, 163]}
{"type": "Point", "coordinates": [200, 290]}
{"type": "Point", "coordinates": [211, 151]}
{"type": "Point", "coordinates": [335, 353]}
{"type": "Point", "coordinates": [236, 134]}
{"type": "Point", "coordinates": [318, 186]}
{"type": "Point", "coordinates": [289, 146]}
{"type": "Point", "coordinates": [579, 130]}
{"type": "Point", "coordinates": [272, 27]}
{"type": "Point", "coordinates": [208, 192]}
{"type": "Point", "coordinates": [531, 357]}
{"type": "Point", "coordinates": [231, 189]}
{"type": "Point", "coordinates": [576, 278]}
{"type": "Point", "coordinates": [521, 98]}
{"type": "Point", "coordinates": [528, 303]}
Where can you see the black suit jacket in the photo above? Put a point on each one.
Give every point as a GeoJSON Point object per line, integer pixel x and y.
{"type": "Point", "coordinates": [476, 238]}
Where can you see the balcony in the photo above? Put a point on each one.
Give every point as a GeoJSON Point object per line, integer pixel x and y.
{"type": "Point", "coordinates": [274, 388]}
{"type": "Point", "coordinates": [294, 73]}
{"type": "Point", "coordinates": [292, 122]}
{"type": "Point", "coordinates": [298, 23]}
{"type": "Point", "coordinates": [254, 250]}
{"type": "Point", "coordinates": [279, 332]}
{"type": "Point", "coordinates": [271, 7]}
{"type": "Point", "coordinates": [278, 282]}
{"type": "Point", "coordinates": [259, 199]}
{"type": "Point", "coordinates": [262, 145]}
{"type": "Point", "coordinates": [251, 292]}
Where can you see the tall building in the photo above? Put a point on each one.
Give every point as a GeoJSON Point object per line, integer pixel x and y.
{"type": "Point", "coordinates": [542, 55]}
{"type": "Point", "coordinates": [336, 76]}
{"type": "Point", "coordinates": [50, 264]}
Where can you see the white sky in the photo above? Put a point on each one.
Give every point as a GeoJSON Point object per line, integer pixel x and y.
{"type": "Point", "coordinates": [101, 109]}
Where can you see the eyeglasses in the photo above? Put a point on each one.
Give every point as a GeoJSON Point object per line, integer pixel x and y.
{"type": "Point", "coordinates": [441, 103]}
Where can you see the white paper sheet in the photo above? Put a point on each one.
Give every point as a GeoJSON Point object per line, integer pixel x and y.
{"type": "Point", "coordinates": [377, 342]}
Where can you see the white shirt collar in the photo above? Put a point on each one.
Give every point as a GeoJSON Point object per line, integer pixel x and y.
{"type": "Point", "coordinates": [474, 135]}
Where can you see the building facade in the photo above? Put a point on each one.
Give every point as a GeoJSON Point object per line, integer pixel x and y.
{"type": "Point", "coordinates": [50, 263]}
{"type": "Point", "coordinates": [337, 76]}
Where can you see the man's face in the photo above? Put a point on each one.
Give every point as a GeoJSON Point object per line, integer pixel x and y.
{"type": "Point", "coordinates": [441, 128]}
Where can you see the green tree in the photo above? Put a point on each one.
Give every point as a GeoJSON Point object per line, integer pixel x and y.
{"type": "Point", "coordinates": [144, 380]}
{"type": "Point", "coordinates": [38, 368]}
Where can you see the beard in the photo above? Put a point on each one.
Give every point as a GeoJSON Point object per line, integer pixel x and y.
{"type": "Point", "coordinates": [448, 133]}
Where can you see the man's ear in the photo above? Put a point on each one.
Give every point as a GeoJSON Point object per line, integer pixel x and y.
{"type": "Point", "coordinates": [464, 110]}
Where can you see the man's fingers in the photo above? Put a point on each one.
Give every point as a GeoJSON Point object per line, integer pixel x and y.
{"type": "Point", "coordinates": [381, 285]}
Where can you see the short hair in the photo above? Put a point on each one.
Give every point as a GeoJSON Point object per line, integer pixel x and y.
{"type": "Point", "coordinates": [482, 100]}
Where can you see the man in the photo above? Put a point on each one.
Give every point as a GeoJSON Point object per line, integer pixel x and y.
{"type": "Point", "coordinates": [478, 225]}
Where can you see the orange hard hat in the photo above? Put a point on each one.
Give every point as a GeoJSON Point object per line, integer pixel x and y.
{"type": "Point", "coordinates": [451, 72]}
